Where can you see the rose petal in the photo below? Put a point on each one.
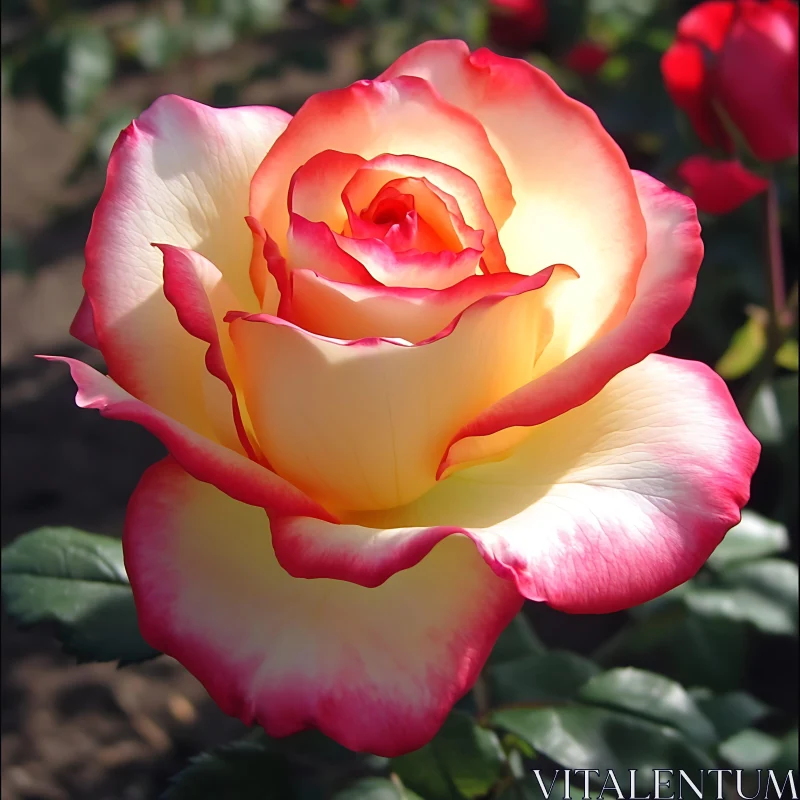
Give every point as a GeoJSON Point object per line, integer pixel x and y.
{"type": "Point", "coordinates": [242, 479]}
{"type": "Point", "coordinates": [708, 23]}
{"type": "Point", "coordinates": [377, 670]}
{"type": "Point", "coordinates": [605, 507]}
{"type": "Point", "coordinates": [438, 224]}
{"type": "Point", "coordinates": [261, 277]}
{"type": "Point", "coordinates": [346, 311]}
{"type": "Point", "coordinates": [315, 190]}
{"type": "Point", "coordinates": [363, 424]}
{"type": "Point", "coordinates": [411, 269]}
{"type": "Point", "coordinates": [718, 187]}
{"type": "Point", "coordinates": [450, 182]}
{"type": "Point", "coordinates": [313, 246]}
{"type": "Point", "coordinates": [663, 294]}
{"type": "Point", "coordinates": [202, 297]}
{"type": "Point", "coordinates": [575, 199]}
{"type": "Point", "coordinates": [684, 70]}
{"type": "Point", "coordinates": [82, 327]}
{"type": "Point", "coordinates": [179, 174]}
{"type": "Point", "coordinates": [756, 79]}
{"type": "Point", "coordinates": [371, 118]}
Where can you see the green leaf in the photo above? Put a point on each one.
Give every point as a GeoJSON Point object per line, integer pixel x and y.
{"type": "Point", "coordinates": [243, 770]}
{"type": "Point", "coordinates": [156, 43]}
{"type": "Point", "coordinates": [511, 743]}
{"type": "Point", "coordinates": [463, 755]}
{"type": "Point", "coordinates": [652, 696]}
{"type": "Point", "coordinates": [548, 676]}
{"type": "Point", "coordinates": [71, 69]}
{"type": "Point", "coordinates": [516, 641]}
{"type": "Point", "coordinates": [787, 355]}
{"type": "Point", "coordinates": [774, 410]}
{"type": "Point", "coordinates": [693, 649]}
{"type": "Point", "coordinates": [210, 35]}
{"type": "Point", "coordinates": [788, 757]}
{"type": "Point", "coordinates": [710, 651]}
{"type": "Point", "coordinates": [422, 771]}
{"type": "Point", "coordinates": [750, 749]}
{"type": "Point", "coordinates": [578, 736]}
{"type": "Point", "coordinates": [524, 789]}
{"type": "Point", "coordinates": [655, 624]}
{"type": "Point", "coordinates": [746, 349]}
{"type": "Point", "coordinates": [376, 789]}
{"type": "Point", "coordinates": [76, 580]}
{"type": "Point", "coordinates": [763, 593]}
{"type": "Point", "coordinates": [754, 537]}
{"type": "Point", "coordinates": [263, 15]}
{"type": "Point", "coordinates": [731, 712]}
{"type": "Point", "coordinates": [323, 751]}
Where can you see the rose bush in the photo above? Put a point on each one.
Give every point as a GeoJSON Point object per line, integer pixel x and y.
{"type": "Point", "coordinates": [734, 66]}
{"type": "Point", "coordinates": [414, 324]}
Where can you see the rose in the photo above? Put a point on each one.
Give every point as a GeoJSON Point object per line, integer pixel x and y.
{"type": "Point", "coordinates": [586, 58]}
{"type": "Point", "coordinates": [719, 187]}
{"type": "Point", "coordinates": [428, 359]}
{"type": "Point", "coordinates": [517, 24]}
{"type": "Point", "coordinates": [734, 67]}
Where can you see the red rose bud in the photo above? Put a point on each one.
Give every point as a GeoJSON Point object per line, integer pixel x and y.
{"type": "Point", "coordinates": [586, 58]}
{"type": "Point", "coordinates": [719, 187]}
{"type": "Point", "coordinates": [735, 63]}
{"type": "Point", "coordinates": [517, 24]}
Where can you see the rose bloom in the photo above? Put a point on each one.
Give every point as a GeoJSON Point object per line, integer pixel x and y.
{"type": "Point", "coordinates": [735, 63]}
{"type": "Point", "coordinates": [517, 24]}
{"type": "Point", "coordinates": [586, 58]}
{"type": "Point", "coordinates": [399, 347]}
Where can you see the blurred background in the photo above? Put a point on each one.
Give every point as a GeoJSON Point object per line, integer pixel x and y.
{"type": "Point", "coordinates": [74, 73]}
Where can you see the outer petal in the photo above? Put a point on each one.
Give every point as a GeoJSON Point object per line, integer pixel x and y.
{"type": "Point", "coordinates": [663, 294]}
{"type": "Point", "coordinates": [363, 424]}
{"type": "Point", "coordinates": [375, 669]}
{"type": "Point", "coordinates": [684, 69]}
{"type": "Point", "coordinates": [239, 477]}
{"type": "Point", "coordinates": [261, 278]}
{"type": "Point", "coordinates": [708, 23]}
{"type": "Point", "coordinates": [370, 118]}
{"type": "Point", "coordinates": [575, 199]}
{"type": "Point", "coordinates": [718, 187]}
{"type": "Point", "coordinates": [179, 174]}
{"type": "Point", "coordinates": [202, 297]}
{"type": "Point", "coordinates": [82, 327]}
{"type": "Point", "coordinates": [346, 311]}
{"type": "Point", "coordinates": [757, 79]}
{"type": "Point", "coordinates": [605, 507]}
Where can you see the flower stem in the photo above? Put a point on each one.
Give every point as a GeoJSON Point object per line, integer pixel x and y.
{"type": "Point", "coordinates": [775, 277]}
{"type": "Point", "coordinates": [480, 692]}
{"type": "Point", "coordinates": [779, 316]}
